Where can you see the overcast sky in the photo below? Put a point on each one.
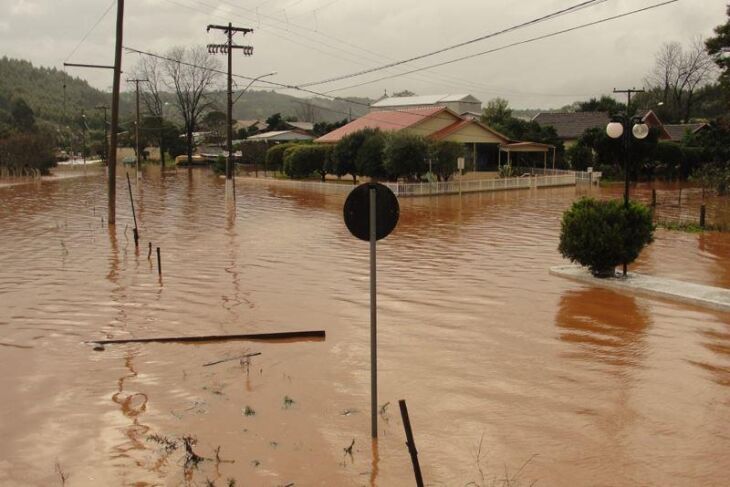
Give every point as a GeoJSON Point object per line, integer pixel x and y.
{"type": "Point", "coordinates": [312, 40]}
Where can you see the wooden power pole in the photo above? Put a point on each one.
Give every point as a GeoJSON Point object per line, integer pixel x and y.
{"type": "Point", "coordinates": [112, 165]}
{"type": "Point", "coordinates": [228, 48]}
{"type": "Point", "coordinates": [137, 122]}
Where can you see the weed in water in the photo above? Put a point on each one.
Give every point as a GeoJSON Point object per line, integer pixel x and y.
{"type": "Point", "coordinates": [192, 459]}
{"type": "Point", "coordinates": [509, 480]}
{"type": "Point", "coordinates": [255, 463]}
{"type": "Point", "coordinates": [61, 474]}
{"type": "Point", "coordinates": [274, 444]}
{"type": "Point", "coordinates": [248, 411]}
{"type": "Point", "coordinates": [288, 402]}
{"type": "Point", "coordinates": [167, 444]}
{"type": "Point", "coordinates": [384, 411]}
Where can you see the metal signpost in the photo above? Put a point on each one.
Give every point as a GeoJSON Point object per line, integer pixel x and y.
{"type": "Point", "coordinates": [371, 212]}
{"type": "Point", "coordinates": [460, 166]}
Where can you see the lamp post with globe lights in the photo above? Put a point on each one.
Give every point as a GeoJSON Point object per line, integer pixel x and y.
{"type": "Point", "coordinates": [627, 127]}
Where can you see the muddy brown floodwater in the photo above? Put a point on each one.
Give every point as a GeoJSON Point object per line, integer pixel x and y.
{"type": "Point", "coordinates": [576, 385]}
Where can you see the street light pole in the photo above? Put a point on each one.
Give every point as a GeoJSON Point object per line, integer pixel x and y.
{"type": "Point", "coordinates": [620, 129]}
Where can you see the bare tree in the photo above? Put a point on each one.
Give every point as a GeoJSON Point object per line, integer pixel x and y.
{"type": "Point", "coordinates": [697, 69]}
{"type": "Point", "coordinates": [666, 67]}
{"type": "Point", "coordinates": [151, 69]}
{"type": "Point", "coordinates": [678, 72]}
{"type": "Point", "coordinates": [191, 73]}
{"type": "Point", "coordinates": [307, 111]}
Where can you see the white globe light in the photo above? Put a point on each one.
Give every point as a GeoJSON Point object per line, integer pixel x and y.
{"type": "Point", "coordinates": [640, 130]}
{"type": "Point", "coordinates": [615, 130]}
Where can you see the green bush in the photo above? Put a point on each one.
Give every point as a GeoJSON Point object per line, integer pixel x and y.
{"type": "Point", "coordinates": [369, 159]}
{"type": "Point", "coordinates": [300, 161]}
{"type": "Point", "coordinates": [274, 160]}
{"type": "Point", "coordinates": [345, 152]}
{"type": "Point", "coordinates": [444, 156]}
{"type": "Point", "coordinates": [604, 234]}
{"type": "Point", "coordinates": [405, 155]}
{"type": "Point", "coordinates": [219, 166]}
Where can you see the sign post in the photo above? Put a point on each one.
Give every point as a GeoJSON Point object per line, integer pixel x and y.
{"type": "Point", "coordinates": [373, 313]}
{"type": "Point", "coordinates": [371, 213]}
{"type": "Point", "coordinates": [460, 165]}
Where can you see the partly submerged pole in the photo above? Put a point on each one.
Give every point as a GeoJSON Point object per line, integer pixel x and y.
{"type": "Point", "coordinates": [373, 317]}
{"type": "Point", "coordinates": [112, 164]}
{"type": "Point", "coordinates": [134, 215]}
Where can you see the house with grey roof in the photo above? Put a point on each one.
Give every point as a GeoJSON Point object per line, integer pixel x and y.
{"type": "Point", "coordinates": [459, 103]}
{"type": "Point", "coordinates": [571, 125]}
{"type": "Point", "coordinates": [679, 130]}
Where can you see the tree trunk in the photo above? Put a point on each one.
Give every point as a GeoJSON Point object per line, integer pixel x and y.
{"type": "Point", "coordinates": [354, 179]}
{"type": "Point", "coordinates": [190, 146]}
{"type": "Point", "coordinates": [162, 150]}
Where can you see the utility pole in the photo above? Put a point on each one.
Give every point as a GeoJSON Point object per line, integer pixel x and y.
{"type": "Point", "coordinates": [112, 162]}
{"type": "Point", "coordinates": [228, 48]}
{"type": "Point", "coordinates": [112, 166]}
{"type": "Point", "coordinates": [106, 132]}
{"type": "Point", "coordinates": [83, 137]}
{"type": "Point", "coordinates": [627, 148]}
{"type": "Point", "coordinates": [136, 123]}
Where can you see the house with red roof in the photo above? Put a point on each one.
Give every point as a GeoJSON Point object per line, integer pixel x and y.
{"type": "Point", "coordinates": [435, 123]}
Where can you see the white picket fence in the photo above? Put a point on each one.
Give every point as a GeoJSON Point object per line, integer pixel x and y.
{"type": "Point", "coordinates": [537, 180]}
{"type": "Point", "coordinates": [480, 185]}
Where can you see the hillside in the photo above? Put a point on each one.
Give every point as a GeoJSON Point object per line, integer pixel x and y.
{"type": "Point", "coordinates": [42, 89]}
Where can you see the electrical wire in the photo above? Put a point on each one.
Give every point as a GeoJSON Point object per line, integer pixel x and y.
{"type": "Point", "coordinates": [83, 39]}
{"type": "Point", "coordinates": [507, 46]}
{"type": "Point", "coordinates": [333, 97]}
{"type": "Point", "coordinates": [447, 80]}
{"type": "Point", "coordinates": [529, 23]}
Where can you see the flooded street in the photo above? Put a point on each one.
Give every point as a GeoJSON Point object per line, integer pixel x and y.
{"type": "Point", "coordinates": [576, 385]}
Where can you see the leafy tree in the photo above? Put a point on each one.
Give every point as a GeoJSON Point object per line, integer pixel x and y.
{"type": "Point", "coordinates": [604, 104]}
{"type": "Point", "coordinates": [276, 122]}
{"type": "Point", "coordinates": [321, 128]}
{"type": "Point", "coordinates": [216, 121]}
{"type": "Point", "coordinates": [604, 234]}
{"type": "Point", "coordinates": [344, 154]}
{"type": "Point", "coordinates": [369, 158]}
{"type": "Point", "coordinates": [497, 112]}
{"type": "Point", "coordinates": [27, 153]}
{"type": "Point", "coordinates": [444, 157]}
{"type": "Point", "coordinates": [404, 93]}
{"type": "Point", "coordinates": [580, 156]}
{"type": "Point", "coordinates": [405, 155]}
{"type": "Point", "coordinates": [715, 46]}
{"type": "Point", "coordinates": [23, 117]}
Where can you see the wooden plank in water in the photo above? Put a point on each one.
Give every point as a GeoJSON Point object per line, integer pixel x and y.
{"type": "Point", "coordinates": [217, 338]}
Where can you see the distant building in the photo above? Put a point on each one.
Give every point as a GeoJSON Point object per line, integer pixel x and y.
{"type": "Point", "coordinates": [570, 126]}
{"type": "Point", "coordinates": [301, 126]}
{"type": "Point", "coordinates": [484, 145]}
{"type": "Point", "coordinates": [279, 136]}
{"type": "Point", "coordinates": [678, 131]}
{"type": "Point", "coordinates": [456, 103]}
{"type": "Point", "coordinates": [258, 125]}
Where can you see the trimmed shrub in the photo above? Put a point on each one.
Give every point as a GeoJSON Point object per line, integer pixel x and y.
{"type": "Point", "coordinates": [274, 160]}
{"type": "Point", "coordinates": [300, 161]}
{"type": "Point", "coordinates": [604, 234]}
{"type": "Point", "coordinates": [406, 155]}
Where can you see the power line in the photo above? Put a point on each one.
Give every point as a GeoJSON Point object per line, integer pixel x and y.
{"type": "Point", "coordinates": [334, 97]}
{"type": "Point", "coordinates": [529, 23]}
{"type": "Point", "coordinates": [447, 80]}
{"type": "Point", "coordinates": [111, 4]}
{"type": "Point", "coordinates": [518, 43]}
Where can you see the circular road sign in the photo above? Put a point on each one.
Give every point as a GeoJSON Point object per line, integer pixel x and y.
{"type": "Point", "coordinates": [357, 211]}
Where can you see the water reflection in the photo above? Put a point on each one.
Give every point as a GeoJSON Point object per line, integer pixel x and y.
{"type": "Point", "coordinates": [603, 326]}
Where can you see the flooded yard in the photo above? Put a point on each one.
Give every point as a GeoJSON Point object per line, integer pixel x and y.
{"type": "Point", "coordinates": [562, 383]}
